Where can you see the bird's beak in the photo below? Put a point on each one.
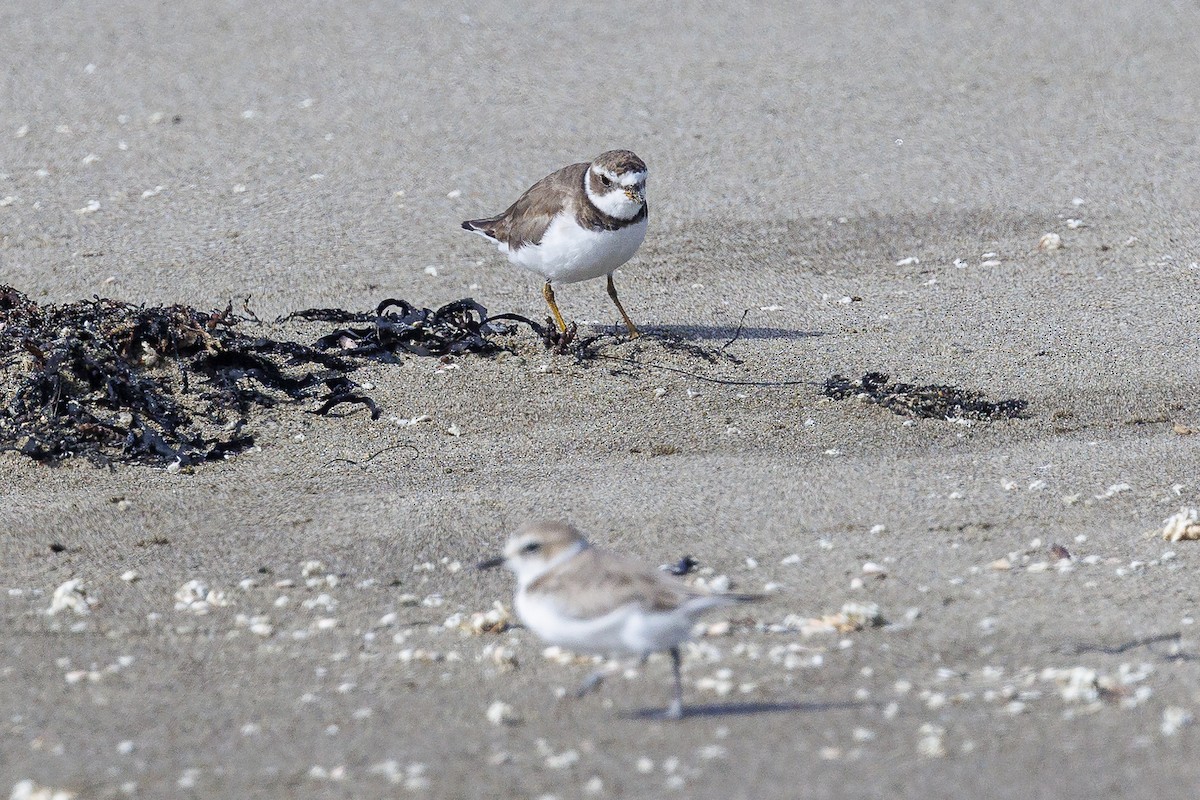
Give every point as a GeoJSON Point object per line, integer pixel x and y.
{"type": "Point", "coordinates": [491, 563]}
{"type": "Point", "coordinates": [635, 195]}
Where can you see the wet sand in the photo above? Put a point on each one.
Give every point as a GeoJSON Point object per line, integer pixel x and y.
{"type": "Point", "coordinates": [854, 189]}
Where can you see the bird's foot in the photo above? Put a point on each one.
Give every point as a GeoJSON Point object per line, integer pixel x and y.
{"type": "Point", "coordinates": [557, 339]}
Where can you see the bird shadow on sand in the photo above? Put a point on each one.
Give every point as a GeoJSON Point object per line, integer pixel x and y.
{"type": "Point", "coordinates": [727, 333]}
{"type": "Point", "coordinates": [724, 335]}
{"type": "Point", "coordinates": [745, 709]}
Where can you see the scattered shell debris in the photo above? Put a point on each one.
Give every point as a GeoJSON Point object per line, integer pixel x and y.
{"type": "Point", "coordinates": [1089, 686]}
{"type": "Point", "coordinates": [853, 617]}
{"type": "Point", "coordinates": [412, 776]}
{"type": "Point", "coordinates": [1184, 525]}
{"type": "Point", "coordinates": [94, 673]}
{"type": "Point", "coordinates": [28, 790]}
{"type": "Point", "coordinates": [497, 619]}
{"type": "Point", "coordinates": [196, 596]}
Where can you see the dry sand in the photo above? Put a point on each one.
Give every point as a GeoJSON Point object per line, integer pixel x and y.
{"type": "Point", "coordinates": [317, 154]}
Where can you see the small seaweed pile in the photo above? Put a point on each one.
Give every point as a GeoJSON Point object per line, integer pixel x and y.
{"type": "Point", "coordinates": [113, 381]}
{"type": "Point", "coordinates": [934, 401]}
{"type": "Point", "coordinates": [459, 327]}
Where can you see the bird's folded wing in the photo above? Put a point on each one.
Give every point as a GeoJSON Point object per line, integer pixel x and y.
{"type": "Point", "coordinates": [526, 221]}
{"type": "Point", "coordinates": [596, 582]}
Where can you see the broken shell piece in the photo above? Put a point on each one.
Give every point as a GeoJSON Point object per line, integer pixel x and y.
{"type": "Point", "coordinates": [1174, 718]}
{"type": "Point", "coordinates": [930, 744]}
{"type": "Point", "coordinates": [1049, 241]}
{"type": "Point", "coordinates": [873, 570]}
{"type": "Point", "coordinates": [309, 568]}
{"type": "Point", "coordinates": [1182, 526]}
{"type": "Point", "coordinates": [501, 713]}
{"type": "Point", "coordinates": [1115, 489]}
{"type": "Point", "coordinates": [1000, 564]}
{"type": "Point", "coordinates": [859, 616]}
{"type": "Point", "coordinates": [721, 628]}
{"type": "Point", "coordinates": [70, 596]}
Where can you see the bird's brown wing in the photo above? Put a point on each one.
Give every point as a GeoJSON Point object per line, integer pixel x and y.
{"type": "Point", "coordinates": [526, 221]}
{"type": "Point", "coordinates": [596, 581]}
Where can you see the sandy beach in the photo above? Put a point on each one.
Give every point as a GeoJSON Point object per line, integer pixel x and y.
{"type": "Point", "coordinates": [834, 189]}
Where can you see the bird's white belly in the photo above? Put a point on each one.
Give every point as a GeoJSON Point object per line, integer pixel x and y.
{"type": "Point", "coordinates": [628, 629]}
{"type": "Point", "coordinates": [569, 253]}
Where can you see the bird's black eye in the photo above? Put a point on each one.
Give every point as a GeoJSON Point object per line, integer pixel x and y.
{"type": "Point", "coordinates": [531, 547]}
{"type": "Point", "coordinates": [607, 181]}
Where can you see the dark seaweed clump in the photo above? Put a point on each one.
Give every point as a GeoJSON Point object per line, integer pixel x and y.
{"type": "Point", "coordinates": [933, 401]}
{"type": "Point", "coordinates": [116, 382]}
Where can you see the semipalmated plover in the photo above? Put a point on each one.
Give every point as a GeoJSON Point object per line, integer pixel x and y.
{"type": "Point", "coordinates": [578, 223]}
{"type": "Point", "coordinates": [591, 600]}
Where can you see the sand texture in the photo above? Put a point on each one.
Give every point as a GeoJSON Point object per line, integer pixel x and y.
{"type": "Point", "coordinates": [834, 188]}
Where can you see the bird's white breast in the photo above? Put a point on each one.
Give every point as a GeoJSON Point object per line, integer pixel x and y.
{"type": "Point", "coordinates": [628, 628]}
{"type": "Point", "coordinates": [601, 634]}
{"type": "Point", "coordinates": [569, 253]}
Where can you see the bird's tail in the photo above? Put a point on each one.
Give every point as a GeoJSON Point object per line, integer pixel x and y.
{"type": "Point", "coordinates": [484, 227]}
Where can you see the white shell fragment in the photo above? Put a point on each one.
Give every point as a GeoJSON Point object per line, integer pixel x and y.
{"type": "Point", "coordinates": [930, 744]}
{"type": "Point", "coordinates": [70, 596]}
{"type": "Point", "coordinates": [1183, 525]}
{"type": "Point", "coordinates": [501, 713]}
{"type": "Point", "coordinates": [872, 570]}
{"type": "Point", "coordinates": [1114, 490]}
{"type": "Point", "coordinates": [1175, 718]}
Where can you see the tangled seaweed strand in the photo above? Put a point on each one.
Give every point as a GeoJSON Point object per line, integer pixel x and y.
{"type": "Point", "coordinates": [934, 401]}
{"type": "Point", "coordinates": [456, 328]}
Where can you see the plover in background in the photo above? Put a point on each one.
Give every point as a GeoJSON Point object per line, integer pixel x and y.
{"type": "Point", "coordinates": [578, 223]}
{"type": "Point", "coordinates": [592, 600]}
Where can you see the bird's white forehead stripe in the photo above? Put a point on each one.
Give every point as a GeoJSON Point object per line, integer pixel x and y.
{"type": "Point", "coordinates": [628, 179]}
